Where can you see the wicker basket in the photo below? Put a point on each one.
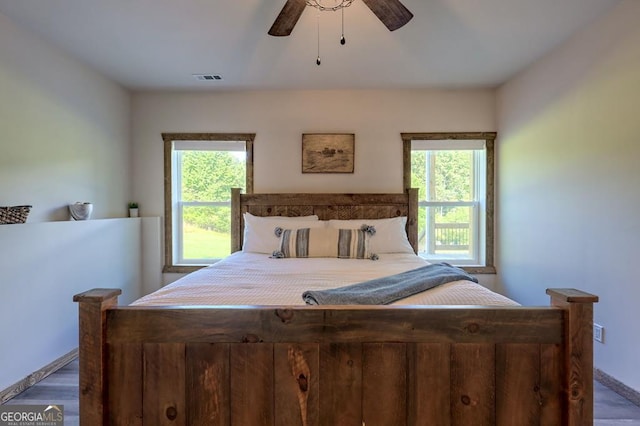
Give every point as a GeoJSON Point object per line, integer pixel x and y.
{"type": "Point", "coordinates": [15, 214]}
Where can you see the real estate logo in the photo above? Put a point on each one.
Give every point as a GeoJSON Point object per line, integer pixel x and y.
{"type": "Point", "coordinates": [32, 415]}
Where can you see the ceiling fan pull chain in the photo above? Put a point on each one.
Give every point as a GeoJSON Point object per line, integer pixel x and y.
{"type": "Point", "coordinates": [318, 62]}
{"type": "Point", "coordinates": [342, 39]}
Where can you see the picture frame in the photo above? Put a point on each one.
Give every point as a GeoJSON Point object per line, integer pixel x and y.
{"type": "Point", "coordinates": [328, 152]}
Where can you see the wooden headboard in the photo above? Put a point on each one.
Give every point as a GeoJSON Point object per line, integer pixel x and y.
{"type": "Point", "coordinates": [326, 206]}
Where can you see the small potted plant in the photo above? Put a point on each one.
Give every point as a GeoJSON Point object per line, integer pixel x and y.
{"type": "Point", "coordinates": [133, 209]}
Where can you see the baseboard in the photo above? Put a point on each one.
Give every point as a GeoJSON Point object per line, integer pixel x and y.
{"type": "Point", "coordinates": [36, 376]}
{"type": "Point", "coordinates": [617, 386]}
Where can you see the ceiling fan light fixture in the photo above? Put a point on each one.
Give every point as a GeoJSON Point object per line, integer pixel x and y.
{"type": "Point", "coordinates": [331, 5]}
{"type": "Point", "coordinates": [392, 13]}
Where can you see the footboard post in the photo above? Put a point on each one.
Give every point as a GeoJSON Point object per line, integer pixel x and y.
{"type": "Point", "coordinates": [578, 347]}
{"type": "Point", "coordinates": [92, 320]}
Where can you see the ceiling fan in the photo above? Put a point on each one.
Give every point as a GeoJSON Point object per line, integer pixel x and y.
{"type": "Point", "coordinates": [392, 13]}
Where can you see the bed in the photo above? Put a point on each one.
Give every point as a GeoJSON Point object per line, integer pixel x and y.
{"type": "Point", "coordinates": [246, 358]}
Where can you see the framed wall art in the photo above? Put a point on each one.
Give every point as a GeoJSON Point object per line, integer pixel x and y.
{"type": "Point", "coordinates": [328, 152]}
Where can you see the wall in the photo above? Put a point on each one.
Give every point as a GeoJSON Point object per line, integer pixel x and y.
{"type": "Point", "coordinates": [65, 131]}
{"type": "Point", "coordinates": [65, 137]}
{"type": "Point", "coordinates": [568, 180]}
{"type": "Point", "coordinates": [42, 266]}
{"type": "Point", "coordinates": [280, 117]}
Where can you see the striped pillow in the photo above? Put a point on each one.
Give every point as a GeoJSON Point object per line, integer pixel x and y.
{"type": "Point", "coordinates": [324, 242]}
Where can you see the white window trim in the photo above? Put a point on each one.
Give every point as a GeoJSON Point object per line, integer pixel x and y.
{"type": "Point", "coordinates": [476, 243]}
{"type": "Point", "coordinates": [178, 205]}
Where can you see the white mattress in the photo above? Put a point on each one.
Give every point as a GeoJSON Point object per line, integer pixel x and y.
{"type": "Point", "coordinates": [256, 279]}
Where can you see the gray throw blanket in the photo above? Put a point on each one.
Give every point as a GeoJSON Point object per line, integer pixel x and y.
{"type": "Point", "coordinates": [385, 290]}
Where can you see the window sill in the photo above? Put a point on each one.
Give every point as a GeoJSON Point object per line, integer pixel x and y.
{"type": "Point", "coordinates": [182, 269]}
{"type": "Point", "coordinates": [479, 269]}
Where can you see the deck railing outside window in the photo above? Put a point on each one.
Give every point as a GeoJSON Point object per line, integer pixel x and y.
{"type": "Point", "coordinates": [440, 237]}
{"type": "Point", "coordinates": [450, 236]}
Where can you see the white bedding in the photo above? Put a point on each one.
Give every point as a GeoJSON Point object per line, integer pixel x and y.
{"type": "Point", "coordinates": [256, 279]}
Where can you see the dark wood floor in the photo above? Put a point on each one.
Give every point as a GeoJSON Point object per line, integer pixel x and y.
{"type": "Point", "coordinates": [61, 388]}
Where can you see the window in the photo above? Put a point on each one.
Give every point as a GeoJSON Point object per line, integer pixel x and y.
{"type": "Point", "coordinates": [200, 170]}
{"type": "Point", "coordinates": [454, 175]}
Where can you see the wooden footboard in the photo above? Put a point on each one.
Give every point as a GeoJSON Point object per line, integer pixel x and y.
{"type": "Point", "coordinates": [336, 365]}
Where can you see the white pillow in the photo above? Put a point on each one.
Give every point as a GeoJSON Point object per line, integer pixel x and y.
{"type": "Point", "coordinates": [390, 236]}
{"type": "Point", "coordinates": [259, 231]}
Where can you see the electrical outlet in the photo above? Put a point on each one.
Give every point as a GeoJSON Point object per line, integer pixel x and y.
{"type": "Point", "coordinates": [598, 333]}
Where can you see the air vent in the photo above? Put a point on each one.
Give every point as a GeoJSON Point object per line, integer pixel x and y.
{"type": "Point", "coordinates": [207, 77]}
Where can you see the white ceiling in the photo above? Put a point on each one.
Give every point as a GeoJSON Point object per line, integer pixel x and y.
{"type": "Point", "coordinates": [160, 44]}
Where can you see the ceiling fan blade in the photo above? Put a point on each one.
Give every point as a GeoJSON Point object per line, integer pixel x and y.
{"type": "Point", "coordinates": [392, 13]}
{"type": "Point", "coordinates": [287, 18]}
